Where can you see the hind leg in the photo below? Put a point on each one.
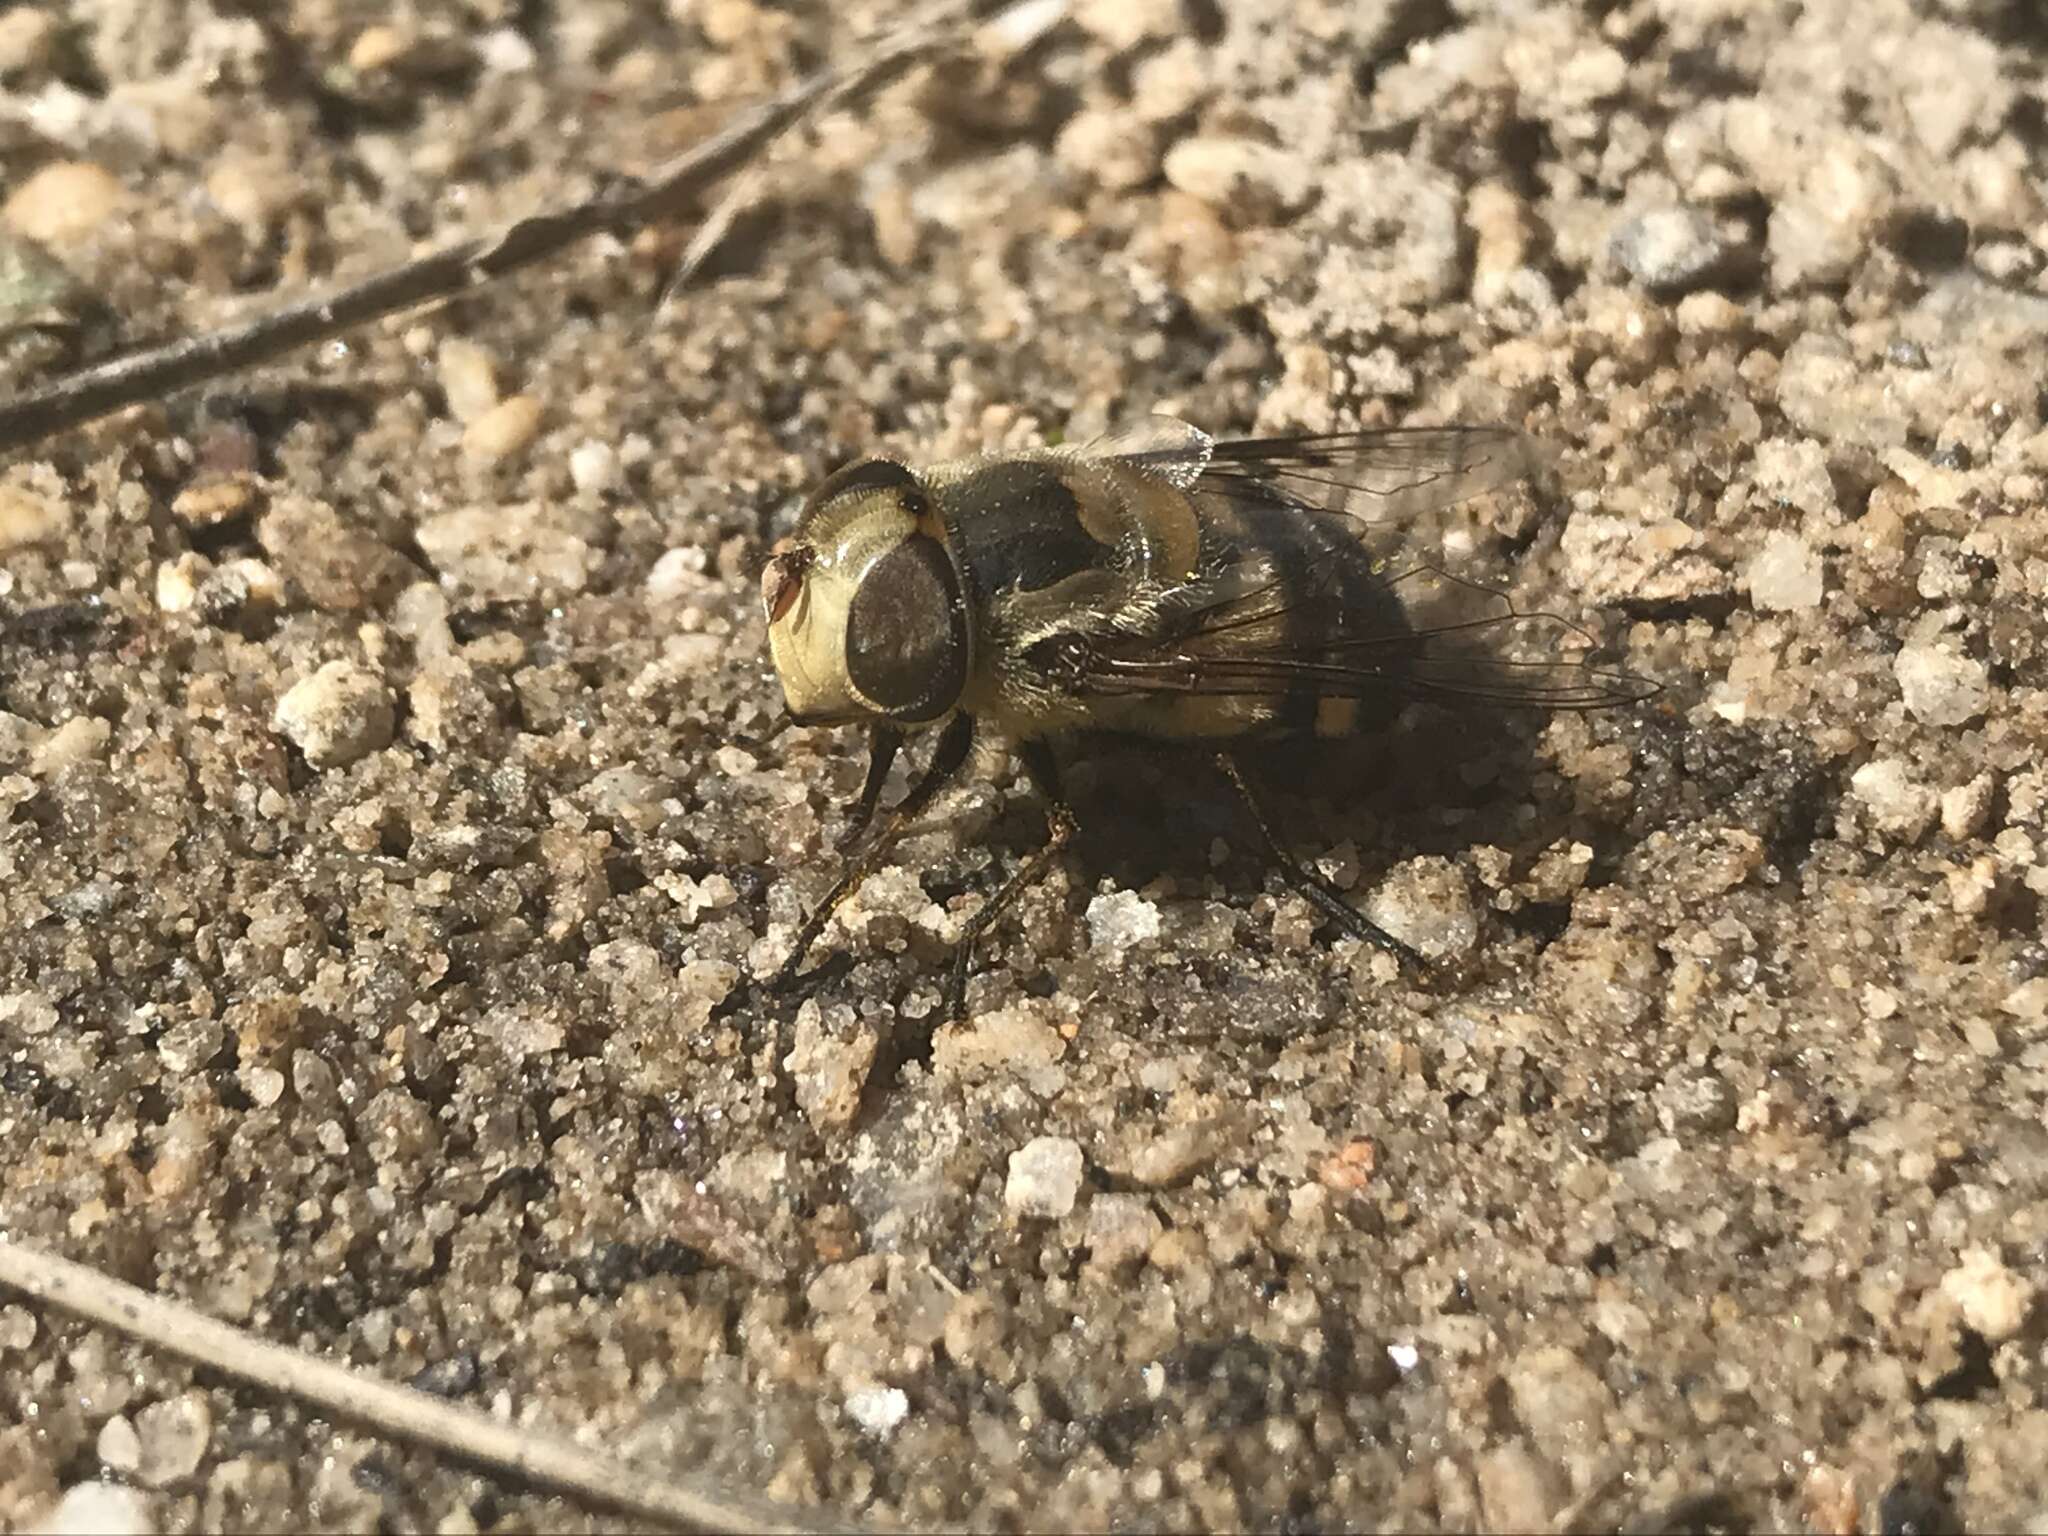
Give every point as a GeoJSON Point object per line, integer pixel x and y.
{"type": "Point", "coordinates": [1306, 882]}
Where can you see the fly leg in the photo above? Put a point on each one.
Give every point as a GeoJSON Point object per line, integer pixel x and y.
{"type": "Point", "coordinates": [1307, 882]}
{"type": "Point", "coordinates": [883, 742]}
{"type": "Point", "coordinates": [947, 757]}
{"type": "Point", "coordinates": [1059, 828]}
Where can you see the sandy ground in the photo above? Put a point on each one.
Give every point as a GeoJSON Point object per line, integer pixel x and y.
{"type": "Point", "coordinates": [379, 826]}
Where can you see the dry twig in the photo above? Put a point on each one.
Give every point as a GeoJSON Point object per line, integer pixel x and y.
{"type": "Point", "coordinates": [399, 1413]}
{"type": "Point", "coordinates": [158, 371]}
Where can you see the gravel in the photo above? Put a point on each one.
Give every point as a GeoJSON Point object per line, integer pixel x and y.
{"type": "Point", "coordinates": [1668, 250]}
{"type": "Point", "coordinates": [390, 823]}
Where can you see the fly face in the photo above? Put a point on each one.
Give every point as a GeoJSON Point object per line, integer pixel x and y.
{"type": "Point", "coordinates": [865, 615]}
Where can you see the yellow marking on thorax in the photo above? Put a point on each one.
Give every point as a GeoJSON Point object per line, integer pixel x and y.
{"type": "Point", "coordinates": [1131, 511]}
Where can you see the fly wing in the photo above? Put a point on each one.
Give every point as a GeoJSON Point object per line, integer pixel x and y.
{"type": "Point", "coordinates": [1387, 476]}
{"type": "Point", "coordinates": [1325, 569]}
{"type": "Point", "coordinates": [1162, 446]}
{"type": "Point", "coordinates": [1222, 637]}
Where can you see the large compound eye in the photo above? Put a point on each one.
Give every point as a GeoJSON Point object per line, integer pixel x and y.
{"type": "Point", "coordinates": [906, 633]}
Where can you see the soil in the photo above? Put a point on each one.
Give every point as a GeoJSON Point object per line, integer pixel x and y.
{"type": "Point", "coordinates": [388, 825]}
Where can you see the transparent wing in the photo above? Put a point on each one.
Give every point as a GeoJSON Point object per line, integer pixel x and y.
{"type": "Point", "coordinates": [1259, 640]}
{"type": "Point", "coordinates": [1391, 475]}
{"type": "Point", "coordinates": [1388, 474]}
{"type": "Point", "coordinates": [1163, 446]}
{"type": "Point", "coordinates": [1291, 596]}
{"type": "Point", "coordinates": [1479, 650]}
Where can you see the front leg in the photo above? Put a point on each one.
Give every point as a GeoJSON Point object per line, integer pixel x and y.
{"type": "Point", "coordinates": [883, 744]}
{"type": "Point", "coordinates": [947, 757]}
{"type": "Point", "coordinates": [1043, 771]}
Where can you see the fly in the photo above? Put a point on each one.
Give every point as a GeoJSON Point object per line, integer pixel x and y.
{"type": "Point", "coordinates": [1154, 583]}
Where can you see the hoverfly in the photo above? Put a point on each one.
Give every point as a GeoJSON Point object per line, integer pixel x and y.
{"type": "Point", "coordinates": [1154, 583]}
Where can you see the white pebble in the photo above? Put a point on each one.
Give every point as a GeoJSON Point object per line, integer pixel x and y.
{"type": "Point", "coordinates": [1898, 802]}
{"type": "Point", "coordinates": [98, 1509]}
{"type": "Point", "coordinates": [878, 1410]}
{"type": "Point", "coordinates": [468, 378]}
{"type": "Point", "coordinates": [1259, 181]}
{"type": "Point", "coordinates": [117, 1447]}
{"type": "Point", "coordinates": [173, 1437]}
{"type": "Point", "coordinates": [1045, 1177]}
{"type": "Point", "coordinates": [1786, 574]}
{"type": "Point", "coordinates": [340, 714]}
{"type": "Point", "coordinates": [829, 1061]}
{"type": "Point", "coordinates": [1120, 919]}
{"type": "Point", "coordinates": [1993, 1299]}
{"type": "Point", "coordinates": [1427, 905]}
{"type": "Point", "coordinates": [177, 581]}
{"type": "Point", "coordinates": [1941, 686]}
{"type": "Point", "coordinates": [594, 467]}
{"type": "Point", "coordinates": [503, 430]}
{"type": "Point", "coordinates": [678, 573]}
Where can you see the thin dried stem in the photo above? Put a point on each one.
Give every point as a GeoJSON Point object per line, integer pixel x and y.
{"type": "Point", "coordinates": [398, 1413]}
{"type": "Point", "coordinates": [158, 371]}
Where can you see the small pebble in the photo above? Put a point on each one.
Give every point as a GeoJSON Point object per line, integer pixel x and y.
{"type": "Point", "coordinates": [1243, 178]}
{"type": "Point", "coordinates": [1787, 574]}
{"type": "Point", "coordinates": [1941, 686]}
{"type": "Point", "coordinates": [1044, 1179]}
{"type": "Point", "coordinates": [468, 378]}
{"type": "Point", "coordinates": [377, 47]}
{"type": "Point", "coordinates": [177, 582]}
{"type": "Point", "coordinates": [209, 503]}
{"type": "Point", "coordinates": [27, 519]}
{"type": "Point", "coordinates": [1171, 1156]}
{"type": "Point", "coordinates": [27, 40]}
{"type": "Point", "coordinates": [27, 1014]}
{"type": "Point", "coordinates": [830, 1064]}
{"type": "Point", "coordinates": [1108, 146]}
{"type": "Point", "coordinates": [1898, 803]}
{"type": "Point", "coordinates": [1016, 1038]}
{"type": "Point", "coordinates": [98, 1509]}
{"type": "Point", "coordinates": [594, 467]}
{"type": "Point", "coordinates": [1966, 808]}
{"type": "Point", "coordinates": [878, 1410]}
{"type": "Point", "coordinates": [1427, 905]}
{"type": "Point", "coordinates": [1993, 1299]}
{"type": "Point", "coordinates": [17, 1328]}
{"type": "Point", "coordinates": [1708, 314]}
{"type": "Point", "coordinates": [1121, 1230]}
{"type": "Point", "coordinates": [81, 739]}
{"type": "Point", "coordinates": [172, 1438]}
{"type": "Point", "coordinates": [1668, 250]}
{"type": "Point", "coordinates": [340, 566]}
{"type": "Point", "coordinates": [1119, 919]}
{"type": "Point", "coordinates": [118, 1448]}
{"type": "Point", "coordinates": [242, 585]}
{"type": "Point", "coordinates": [340, 714]}
{"type": "Point", "coordinates": [64, 203]}
{"type": "Point", "coordinates": [503, 430]}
